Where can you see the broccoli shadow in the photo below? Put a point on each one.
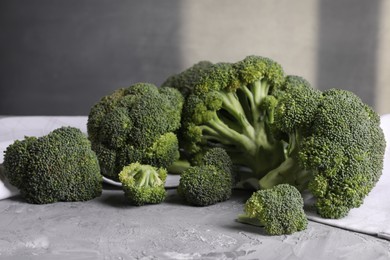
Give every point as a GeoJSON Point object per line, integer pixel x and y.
{"type": "Point", "coordinates": [173, 198]}
{"type": "Point", "coordinates": [114, 200]}
{"type": "Point", "coordinates": [114, 197]}
{"type": "Point", "coordinates": [17, 198]}
{"type": "Point", "coordinates": [245, 229]}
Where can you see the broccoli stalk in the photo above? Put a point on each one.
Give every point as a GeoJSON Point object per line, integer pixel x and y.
{"type": "Point", "coordinates": [289, 171]}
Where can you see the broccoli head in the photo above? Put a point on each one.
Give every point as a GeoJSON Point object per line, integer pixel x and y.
{"type": "Point", "coordinates": [210, 182]}
{"type": "Point", "coordinates": [279, 210]}
{"type": "Point", "coordinates": [223, 108]}
{"type": "Point", "coordinates": [60, 166]}
{"type": "Point", "coordinates": [335, 146]}
{"type": "Point", "coordinates": [143, 184]}
{"type": "Point", "coordinates": [136, 124]}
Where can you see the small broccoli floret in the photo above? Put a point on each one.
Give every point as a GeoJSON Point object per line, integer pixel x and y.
{"type": "Point", "coordinates": [219, 158]}
{"type": "Point", "coordinates": [210, 182]}
{"type": "Point", "coordinates": [136, 124]}
{"type": "Point", "coordinates": [279, 210]}
{"type": "Point", "coordinates": [60, 166]}
{"type": "Point", "coordinates": [223, 109]}
{"type": "Point", "coordinates": [205, 185]}
{"type": "Point", "coordinates": [143, 184]}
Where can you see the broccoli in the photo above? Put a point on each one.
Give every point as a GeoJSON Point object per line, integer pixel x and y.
{"type": "Point", "coordinates": [60, 166]}
{"type": "Point", "coordinates": [279, 210]}
{"type": "Point", "coordinates": [223, 109]}
{"type": "Point", "coordinates": [283, 130]}
{"type": "Point", "coordinates": [209, 182]}
{"type": "Point", "coordinates": [136, 124]}
{"type": "Point", "coordinates": [335, 148]}
{"type": "Point", "coordinates": [143, 184]}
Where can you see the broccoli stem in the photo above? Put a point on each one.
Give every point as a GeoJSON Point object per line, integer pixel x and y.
{"type": "Point", "coordinates": [255, 93]}
{"type": "Point", "coordinates": [179, 166]}
{"type": "Point", "coordinates": [231, 104]}
{"type": "Point", "coordinates": [242, 126]}
{"type": "Point", "coordinates": [225, 134]}
{"type": "Point", "coordinates": [245, 219]}
{"type": "Point", "coordinates": [289, 171]}
{"type": "Point", "coordinates": [147, 177]}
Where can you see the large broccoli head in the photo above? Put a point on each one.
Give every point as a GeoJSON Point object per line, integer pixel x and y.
{"type": "Point", "coordinates": [283, 130]}
{"type": "Point", "coordinates": [344, 151]}
{"type": "Point", "coordinates": [57, 167]}
{"type": "Point", "coordinates": [136, 124]}
{"type": "Point", "coordinates": [223, 109]}
{"type": "Point", "coordinates": [335, 146]}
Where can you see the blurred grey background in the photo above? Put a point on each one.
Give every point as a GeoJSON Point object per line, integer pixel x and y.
{"type": "Point", "coordinates": [59, 57]}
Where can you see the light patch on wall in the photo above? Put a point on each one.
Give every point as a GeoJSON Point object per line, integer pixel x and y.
{"type": "Point", "coordinates": [383, 73]}
{"type": "Point", "coordinates": [229, 30]}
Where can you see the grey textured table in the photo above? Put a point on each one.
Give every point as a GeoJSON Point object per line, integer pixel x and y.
{"type": "Point", "coordinates": [108, 228]}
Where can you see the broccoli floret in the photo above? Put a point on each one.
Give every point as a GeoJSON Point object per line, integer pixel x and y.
{"type": "Point", "coordinates": [210, 182]}
{"type": "Point", "coordinates": [223, 109]}
{"type": "Point", "coordinates": [279, 210]}
{"type": "Point", "coordinates": [219, 158]}
{"type": "Point", "coordinates": [60, 166]}
{"type": "Point", "coordinates": [136, 124]}
{"type": "Point", "coordinates": [143, 184]}
{"type": "Point", "coordinates": [335, 147]}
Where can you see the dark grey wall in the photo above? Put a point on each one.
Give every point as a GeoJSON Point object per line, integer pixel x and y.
{"type": "Point", "coordinates": [348, 40]}
{"type": "Point", "coordinates": [61, 56]}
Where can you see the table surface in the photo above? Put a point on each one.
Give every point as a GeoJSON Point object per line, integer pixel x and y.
{"type": "Point", "coordinates": [109, 228]}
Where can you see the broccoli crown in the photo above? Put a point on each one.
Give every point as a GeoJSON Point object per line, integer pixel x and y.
{"type": "Point", "coordinates": [60, 166]}
{"type": "Point", "coordinates": [335, 146]}
{"type": "Point", "coordinates": [209, 182]}
{"type": "Point", "coordinates": [279, 210]}
{"type": "Point", "coordinates": [136, 124]}
{"type": "Point", "coordinates": [223, 109]}
{"type": "Point", "coordinates": [143, 184]}
{"type": "Point", "coordinates": [344, 151]}
{"type": "Point", "coordinates": [184, 81]}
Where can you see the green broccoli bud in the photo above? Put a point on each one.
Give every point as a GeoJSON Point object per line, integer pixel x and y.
{"type": "Point", "coordinates": [279, 210]}
{"type": "Point", "coordinates": [205, 185]}
{"type": "Point", "coordinates": [210, 182]}
{"type": "Point", "coordinates": [143, 184]}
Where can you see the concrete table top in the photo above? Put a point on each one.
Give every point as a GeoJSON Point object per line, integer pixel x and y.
{"type": "Point", "coordinates": [109, 228]}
